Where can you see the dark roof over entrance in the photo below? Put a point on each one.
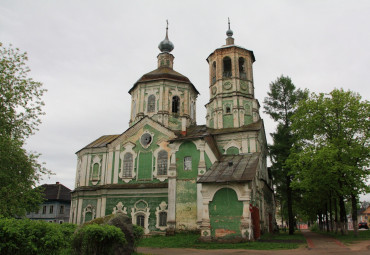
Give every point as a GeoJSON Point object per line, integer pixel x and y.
{"type": "Point", "coordinates": [232, 168]}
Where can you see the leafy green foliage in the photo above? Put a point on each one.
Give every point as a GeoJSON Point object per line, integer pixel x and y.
{"type": "Point", "coordinates": [97, 239]}
{"type": "Point", "coordinates": [331, 154]}
{"type": "Point", "coordinates": [138, 234]}
{"type": "Point", "coordinates": [20, 111]}
{"type": "Point", "coordinates": [280, 105]}
{"type": "Point", "coordinates": [33, 237]}
{"type": "Point", "coordinates": [20, 96]}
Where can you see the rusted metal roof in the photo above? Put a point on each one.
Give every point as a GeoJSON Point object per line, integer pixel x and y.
{"type": "Point", "coordinates": [103, 141]}
{"type": "Point", "coordinates": [232, 168]}
{"type": "Point", "coordinates": [200, 131]}
{"type": "Point", "coordinates": [163, 73]}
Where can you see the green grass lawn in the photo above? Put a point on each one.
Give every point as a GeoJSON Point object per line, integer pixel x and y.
{"type": "Point", "coordinates": [350, 238]}
{"type": "Point", "coordinates": [190, 240]}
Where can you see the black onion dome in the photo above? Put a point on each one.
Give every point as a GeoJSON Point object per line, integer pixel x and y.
{"type": "Point", "coordinates": [166, 45]}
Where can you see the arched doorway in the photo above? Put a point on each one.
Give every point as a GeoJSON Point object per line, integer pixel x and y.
{"type": "Point", "coordinates": [225, 212]}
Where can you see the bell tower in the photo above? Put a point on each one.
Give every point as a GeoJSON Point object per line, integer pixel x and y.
{"type": "Point", "coordinates": [232, 103]}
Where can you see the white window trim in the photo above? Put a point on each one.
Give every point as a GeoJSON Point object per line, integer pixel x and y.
{"type": "Point", "coordinates": [138, 211]}
{"type": "Point", "coordinates": [128, 147]}
{"type": "Point", "coordinates": [162, 208]}
{"type": "Point", "coordinates": [96, 160]}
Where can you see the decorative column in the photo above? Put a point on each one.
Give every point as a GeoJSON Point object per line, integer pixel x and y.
{"type": "Point", "coordinates": [201, 171]}
{"type": "Point", "coordinates": [205, 227]}
{"type": "Point", "coordinates": [171, 217]}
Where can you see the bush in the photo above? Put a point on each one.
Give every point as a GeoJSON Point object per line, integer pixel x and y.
{"type": "Point", "coordinates": [314, 227]}
{"type": "Point", "coordinates": [33, 237]}
{"type": "Point", "coordinates": [138, 234]}
{"type": "Point", "coordinates": [97, 239]}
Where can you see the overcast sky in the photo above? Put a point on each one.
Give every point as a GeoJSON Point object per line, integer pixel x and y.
{"type": "Point", "coordinates": [88, 54]}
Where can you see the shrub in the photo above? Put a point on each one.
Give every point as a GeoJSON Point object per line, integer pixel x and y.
{"type": "Point", "coordinates": [138, 234]}
{"type": "Point", "coordinates": [97, 239]}
{"type": "Point", "coordinates": [24, 236]}
{"type": "Point", "coordinates": [315, 227]}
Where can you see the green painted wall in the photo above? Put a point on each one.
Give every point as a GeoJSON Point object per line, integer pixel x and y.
{"type": "Point", "coordinates": [232, 151]}
{"type": "Point", "coordinates": [86, 202]}
{"type": "Point", "coordinates": [145, 166]}
{"type": "Point", "coordinates": [228, 121]}
{"type": "Point", "coordinates": [129, 202]}
{"type": "Point", "coordinates": [208, 161]}
{"type": "Point", "coordinates": [186, 202]}
{"type": "Point", "coordinates": [187, 149]}
{"type": "Point", "coordinates": [186, 186]}
{"type": "Point", "coordinates": [225, 213]}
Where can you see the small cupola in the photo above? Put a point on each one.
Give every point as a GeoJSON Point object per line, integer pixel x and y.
{"type": "Point", "coordinates": [165, 58]}
{"type": "Point", "coordinates": [229, 33]}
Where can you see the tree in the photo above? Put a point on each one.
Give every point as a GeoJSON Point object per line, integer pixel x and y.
{"type": "Point", "coordinates": [280, 105]}
{"type": "Point", "coordinates": [20, 111]}
{"type": "Point", "coordinates": [333, 142]}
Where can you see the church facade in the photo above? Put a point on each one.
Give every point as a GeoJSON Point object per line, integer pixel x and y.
{"type": "Point", "coordinates": [169, 174]}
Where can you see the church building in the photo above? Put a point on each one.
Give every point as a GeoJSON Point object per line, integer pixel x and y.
{"type": "Point", "coordinates": [169, 174]}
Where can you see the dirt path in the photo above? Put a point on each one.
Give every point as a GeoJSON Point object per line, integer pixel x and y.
{"type": "Point", "coordinates": [316, 244]}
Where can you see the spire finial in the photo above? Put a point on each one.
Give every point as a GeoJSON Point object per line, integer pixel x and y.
{"type": "Point", "coordinates": [167, 29]}
{"type": "Point", "coordinates": [229, 32]}
{"type": "Point", "coordinates": [166, 45]}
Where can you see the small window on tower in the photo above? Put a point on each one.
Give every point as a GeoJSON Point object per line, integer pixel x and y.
{"type": "Point", "coordinates": [151, 103]}
{"type": "Point", "coordinates": [242, 72]}
{"type": "Point", "coordinates": [214, 72]}
{"type": "Point", "coordinates": [176, 104]}
{"type": "Point", "coordinates": [228, 110]}
{"type": "Point", "coordinates": [227, 67]}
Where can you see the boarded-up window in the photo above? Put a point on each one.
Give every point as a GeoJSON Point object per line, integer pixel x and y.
{"type": "Point", "coordinates": [95, 174]}
{"type": "Point", "coordinates": [176, 104]}
{"type": "Point", "coordinates": [127, 165]}
{"type": "Point", "coordinates": [162, 219]}
{"type": "Point", "coordinates": [162, 162]}
{"type": "Point", "coordinates": [140, 220]}
{"type": "Point", "coordinates": [61, 210]}
{"type": "Point", "coordinates": [187, 163]}
{"type": "Point", "coordinates": [151, 103]}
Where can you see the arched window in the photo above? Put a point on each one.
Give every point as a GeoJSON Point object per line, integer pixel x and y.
{"type": "Point", "coordinates": [140, 220]}
{"type": "Point", "coordinates": [228, 110]}
{"type": "Point", "coordinates": [242, 71]}
{"type": "Point", "coordinates": [151, 103]}
{"type": "Point", "coordinates": [162, 162]}
{"type": "Point", "coordinates": [214, 72]}
{"type": "Point", "coordinates": [127, 165]}
{"type": "Point", "coordinates": [162, 219]}
{"type": "Point", "coordinates": [227, 67]}
{"type": "Point", "coordinates": [95, 173]}
{"type": "Point", "coordinates": [176, 104]}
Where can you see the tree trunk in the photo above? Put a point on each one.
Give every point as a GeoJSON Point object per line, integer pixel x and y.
{"type": "Point", "coordinates": [354, 214]}
{"type": "Point", "coordinates": [290, 206]}
{"type": "Point", "coordinates": [327, 217]}
{"type": "Point", "coordinates": [342, 215]}
{"type": "Point", "coordinates": [320, 220]}
{"type": "Point", "coordinates": [336, 215]}
{"type": "Point", "coordinates": [331, 214]}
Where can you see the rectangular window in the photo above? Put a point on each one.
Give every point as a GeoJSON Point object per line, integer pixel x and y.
{"type": "Point", "coordinates": [61, 210]}
{"type": "Point", "coordinates": [187, 163]}
{"type": "Point", "coordinates": [44, 209]}
{"type": "Point", "coordinates": [51, 210]}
